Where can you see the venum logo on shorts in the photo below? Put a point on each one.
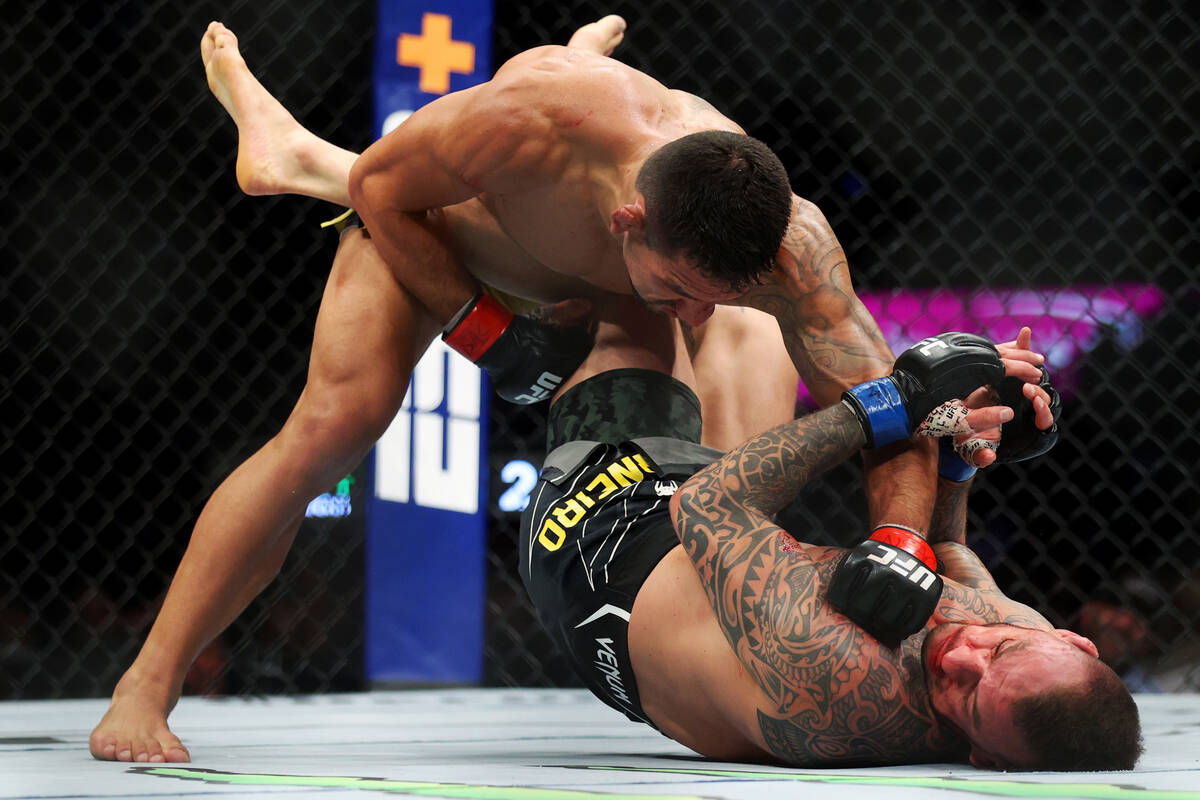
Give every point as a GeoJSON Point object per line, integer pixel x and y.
{"type": "Point", "coordinates": [606, 657]}
{"type": "Point", "coordinates": [665, 488]}
{"type": "Point", "coordinates": [606, 662]}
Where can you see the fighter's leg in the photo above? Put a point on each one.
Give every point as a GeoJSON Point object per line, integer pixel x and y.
{"type": "Point", "coordinates": [745, 378]}
{"type": "Point", "coordinates": [276, 154]}
{"type": "Point", "coordinates": [601, 36]}
{"type": "Point", "coordinates": [369, 334]}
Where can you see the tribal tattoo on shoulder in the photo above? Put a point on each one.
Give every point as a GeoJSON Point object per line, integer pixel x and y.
{"type": "Point", "coordinates": [835, 696]}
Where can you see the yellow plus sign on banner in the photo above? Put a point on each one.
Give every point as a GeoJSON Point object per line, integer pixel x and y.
{"type": "Point", "coordinates": [435, 53]}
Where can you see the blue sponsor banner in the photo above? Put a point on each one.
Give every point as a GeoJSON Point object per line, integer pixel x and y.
{"type": "Point", "coordinates": [426, 50]}
{"type": "Point", "coordinates": [426, 508]}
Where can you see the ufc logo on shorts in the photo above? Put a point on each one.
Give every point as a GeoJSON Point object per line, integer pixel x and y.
{"type": "Point", "coordinates": [906, 565]}
{"type": "Point", "coordinates": [546, 383]}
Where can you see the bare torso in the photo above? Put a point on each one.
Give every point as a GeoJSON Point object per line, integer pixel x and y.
{"type": "Point", "coordinates": [601, 119]}
{"type": "Point", "coordinates": [838, 697]}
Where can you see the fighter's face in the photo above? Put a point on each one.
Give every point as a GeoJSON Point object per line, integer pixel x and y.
{"type": "Point", "coordinates": [673, 286]}
{"type": "Point", "coordinates": [976, 672]}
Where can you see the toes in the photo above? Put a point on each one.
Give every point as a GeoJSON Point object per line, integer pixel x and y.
{"type": "Point", "coordinates": [102, 747]}
{"type": "Point", "coordinates": [150, 751]}
{"type": "Point", "coordinates": [177, 754]}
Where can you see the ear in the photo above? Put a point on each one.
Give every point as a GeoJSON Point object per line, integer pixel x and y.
{"type": "Point", "coordinates": [629, 217]}
{"type": "Point", "coordinates": [1082, 642]}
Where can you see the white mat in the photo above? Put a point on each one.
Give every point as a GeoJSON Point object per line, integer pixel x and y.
{"type": "Point", "coordinates": [490, 744]}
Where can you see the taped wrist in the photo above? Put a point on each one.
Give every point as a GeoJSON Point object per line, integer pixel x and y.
{"type": "Point", "coordinates": [476, 327]}
{"type": "Point", "coordinates": [880, 410]}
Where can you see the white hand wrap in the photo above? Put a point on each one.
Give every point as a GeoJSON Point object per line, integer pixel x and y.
{"type": "Point", "coordinates": [948, 419]}
{"type": "Point", "coordinates": [967, 448]}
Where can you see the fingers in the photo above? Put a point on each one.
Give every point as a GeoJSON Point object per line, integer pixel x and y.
{"type": "Point", "coordinates": [1022, 368]}
{"type": "Point", "coordinates": [982, 419]}
{"type": "Point", "coordinates": [981, 397]}
{"type": "Point", "coordinates": [1043, 417]}
{"type": "Point", "coordinates": [981, 457]}
{"type": "Point", "coordinates": [1018, 352]}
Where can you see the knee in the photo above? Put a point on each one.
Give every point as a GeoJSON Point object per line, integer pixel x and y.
{"type": "Point", "coordinates": [335, 429]}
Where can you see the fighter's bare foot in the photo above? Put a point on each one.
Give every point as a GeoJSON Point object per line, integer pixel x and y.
{"type": "Point", "coordinates": [270, 141]}
{"type": "Point", "coordinates": [135, 729]}
{"type": "Point", "coordinates": [601, 36]}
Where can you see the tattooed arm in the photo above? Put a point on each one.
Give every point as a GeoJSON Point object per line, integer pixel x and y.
{"type": "Point", "coordinates": [828, 701]}
{"type": "Point", "coordinates": [835, 344]}
{"type": "Point", "coordinates": [949, 522]}
{"type": "Point", "coordinates": [971, 594]}
{"type": "Point", "coordinates": [978, 597]}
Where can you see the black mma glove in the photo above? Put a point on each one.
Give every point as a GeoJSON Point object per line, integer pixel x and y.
{"type": "Point", "coordinates": [1020, 437]}
{"type": "Point", "coordinates": [526, 358]}
{"type": "Point", "coordinates": [888, 585]}
{"type": "Point", "coordinates": [941, 368]}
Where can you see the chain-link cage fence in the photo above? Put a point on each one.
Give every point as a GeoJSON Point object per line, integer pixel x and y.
{"type": "Point", "coordinates": [157, 321]}
{"type": "Point", "coordinates": [1038, 157]}
{"type": "Point", "coordinates": [156, 329]}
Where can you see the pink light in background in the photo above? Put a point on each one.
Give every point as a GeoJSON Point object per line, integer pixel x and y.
{"type": "Point", "coordinates": [1066, 321]}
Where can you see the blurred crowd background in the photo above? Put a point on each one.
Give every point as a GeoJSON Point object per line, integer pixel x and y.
{"type": "Point", "coordinates": [1000, 163]}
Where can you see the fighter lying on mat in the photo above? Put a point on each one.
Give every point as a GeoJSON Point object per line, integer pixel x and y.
{"type": "Point", "coordinates": [776, 672]}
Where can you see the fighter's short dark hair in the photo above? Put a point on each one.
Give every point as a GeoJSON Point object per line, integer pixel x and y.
{"type": "Point", "coordinates": [1095, 727]}
{"type": "Point", "coordinates": [720, 199]}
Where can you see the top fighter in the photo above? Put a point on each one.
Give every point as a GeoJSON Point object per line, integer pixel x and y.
{"type": "Point", "coordinates": [567, 175]}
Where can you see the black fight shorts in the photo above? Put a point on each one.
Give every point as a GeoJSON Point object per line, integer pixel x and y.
{"type": "Point", "coordinates": [597, 522]}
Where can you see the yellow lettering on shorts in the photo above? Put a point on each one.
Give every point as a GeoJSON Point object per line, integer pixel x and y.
{"type": "Point", "coordinates": [604, 481]}
{"type": "Point", "coordinates": [573, 510]}
{"type": "Point", "coordinates": [625, 471]}
{"type": "Point", "coordinates": [560, 536]}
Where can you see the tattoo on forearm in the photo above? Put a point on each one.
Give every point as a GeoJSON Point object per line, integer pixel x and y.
{"type": "Point", "coordinates": [767, 472]}
{"type": "Point", "coordinates": [974, 595]}
{"type": "Point", "coordinates": [831, 337]}
{"type": "Point", "coordinates": [949, 523]}
{"type": "Point", "coordinates": [828, 702]}
{"type": "Point", "coordinates": [957, 562]}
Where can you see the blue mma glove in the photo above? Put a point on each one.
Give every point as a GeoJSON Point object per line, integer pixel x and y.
{"type": "Point", "coordinates": [941, 368]}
